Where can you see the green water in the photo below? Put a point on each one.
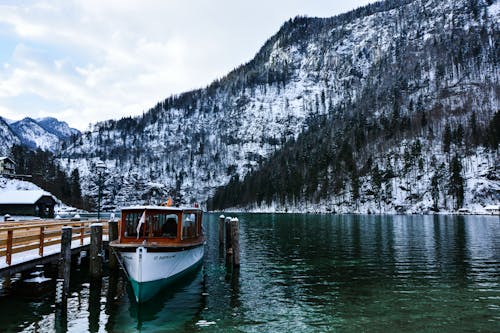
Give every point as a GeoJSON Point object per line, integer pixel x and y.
{"type": "Point", "coordinates": [299, 273]}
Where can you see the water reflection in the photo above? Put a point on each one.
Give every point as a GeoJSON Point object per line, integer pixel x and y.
{"type": "Point", "coordinates": [303, 273]}
{"type": "Point", "coordinates": [327, 272]}
{"type": "Point", "coordinates": [182, 299]}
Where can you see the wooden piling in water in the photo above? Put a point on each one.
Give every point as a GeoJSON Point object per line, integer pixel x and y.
{"type": "Point", "coordinates": [228, 233]}
{"type": "Point", "coordinates": [235, 239]}
{"type": "Point", "coordinates": [221, 230]}
{"type": "Point", "coordinates": [112, 235]}
{"type": "Point", "coordinates": [95, 250]}
{"type": "Point", "coordinates": [65, 259]}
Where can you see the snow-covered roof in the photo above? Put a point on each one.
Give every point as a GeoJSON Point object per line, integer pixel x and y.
{"type": "Point", "coordinates": [6, 158]}
{"type": "Point", "coordinates": [20, 197]}
{"type": "Point", "coordinates": [492, 207]}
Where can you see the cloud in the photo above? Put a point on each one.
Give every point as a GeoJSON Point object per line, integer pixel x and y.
{"type": "Point", "coordinates": [92, 60]}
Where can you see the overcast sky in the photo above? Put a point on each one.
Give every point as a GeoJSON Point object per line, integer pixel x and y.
{"type": "Point", "coordinates": [90, 60]}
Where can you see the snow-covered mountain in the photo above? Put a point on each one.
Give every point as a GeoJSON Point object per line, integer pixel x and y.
{"type": "Point", "coordinates": [45, 133]}
{"type": "Point", "coordinates": [33, 135]}
{"type": "Point", "coordinates": [59, 128]}
{"type": "Point", "coordinates": [365, 74]}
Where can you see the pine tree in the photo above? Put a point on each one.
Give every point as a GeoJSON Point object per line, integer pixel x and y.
{"type": "Point", "coordinates": [458, 135]}
{"type": "Point", "coordinates": [473, 129]}
{"type": "Point", "coordinates": [493, 132]}
{"type": "Point", "coordinates": [435, 191]}
{"type": "Point", "coordinates": [376, 176]}
{"type": "Point", "coordinates": [76, 191]}
{"type": "Point", "coordinates": [456, 183]}
{"type": "Point", "coordinates": [447, 138]}
{"type": "Point", "coordinates": [355, 186]}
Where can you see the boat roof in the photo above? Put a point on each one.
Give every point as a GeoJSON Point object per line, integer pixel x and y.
{"type": "Point", "coordinates": [166, 208]}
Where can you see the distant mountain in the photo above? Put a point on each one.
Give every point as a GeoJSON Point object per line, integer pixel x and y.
{"type": "Point", "coordinates": [33, 135]}
{"type": "Point", "coordinates": [346, 114]}
{"type": "Point", "coordinates": [59, 128]}
{"type": "Point", "coordinates": [45, 133]}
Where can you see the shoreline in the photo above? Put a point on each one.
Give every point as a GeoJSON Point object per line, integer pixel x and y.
{"type": "Point", "coordinates": [351, 213]}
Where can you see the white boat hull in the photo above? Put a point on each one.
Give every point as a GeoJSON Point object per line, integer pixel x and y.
{"type": "Point", "coordinates": [149, 270]}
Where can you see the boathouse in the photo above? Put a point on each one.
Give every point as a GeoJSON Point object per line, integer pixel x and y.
{"type": "Point", "coordinates": [30, 203]}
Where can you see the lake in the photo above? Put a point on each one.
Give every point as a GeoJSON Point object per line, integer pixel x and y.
{"type": "Point", "coordinates": [299, 273]}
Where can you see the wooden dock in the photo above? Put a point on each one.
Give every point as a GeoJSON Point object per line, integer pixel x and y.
{"type": "Point", "coordinates": [24, 244]}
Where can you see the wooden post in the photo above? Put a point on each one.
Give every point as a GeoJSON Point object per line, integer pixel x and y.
{"type": "Point", "coordinates": [95, 250]}
{"type": "Point", "coordinates": [228, 233]}
{"type": "Point", "coordinates": [112, 235]}
{"type": "Point", "coordinates": [8, 255]}
{"type": "Point", "coordinates": [42, 239]}
{"type": "Point", "coordinates": [235, 238]}
{"type": "Point", "coordinates": [82, 232]}
{"type": "Point", "coordinates": [221, 230]}
{"type": "Point", "coordinates": [65, 258]}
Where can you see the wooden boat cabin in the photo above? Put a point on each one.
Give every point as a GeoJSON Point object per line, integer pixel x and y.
{"type": "Point", "coordinates": [160, 225]}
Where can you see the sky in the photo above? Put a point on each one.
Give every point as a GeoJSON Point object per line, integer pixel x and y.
{"type": "Point", "coordinates": [92, 60]}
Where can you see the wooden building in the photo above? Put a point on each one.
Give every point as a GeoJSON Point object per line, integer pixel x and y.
{"type": "Point", "coordinates": [7, 166]}
{"type": "Point", "coordinates": [30, 203]}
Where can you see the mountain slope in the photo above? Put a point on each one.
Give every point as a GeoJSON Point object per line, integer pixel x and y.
{"type": "Point", "coordinates": [45, 133]}
{"type": "Point", "coordinates": [7, 138]}
{"type": "Point", "coordinates": [59, 128]}
{"type": "Point", "coordinates": [384, 151]}
{"type": "Point", "coordinates": [362, 74]}
{"type": "Point", "coordinates": [33, 135]}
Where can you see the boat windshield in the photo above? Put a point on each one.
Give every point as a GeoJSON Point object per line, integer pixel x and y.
{"type": "Point", "coordinates": [154, 224]}
{"type": "Point", "coordinates": [162, 225]}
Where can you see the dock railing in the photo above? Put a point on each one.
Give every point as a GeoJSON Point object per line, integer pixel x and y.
{"type": "Point", "coordinates": [18, 237]}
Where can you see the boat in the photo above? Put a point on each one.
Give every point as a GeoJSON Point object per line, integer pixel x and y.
{"type": "Point", "coordinates": [158, 244]}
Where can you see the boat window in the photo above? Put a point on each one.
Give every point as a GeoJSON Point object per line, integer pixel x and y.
{"type": "Point", "coordinates": [157, 224]}
{"type": "Point", "coordinates": [189, 226]}
{"type": "Point", "coordinates": [154, 223]}
{"type": "Point", "coordinates": [131, 221]}
{"type": "Point", "coordinates": [168, 225]}
{"type": "Point", "coordinates": [162, 225]}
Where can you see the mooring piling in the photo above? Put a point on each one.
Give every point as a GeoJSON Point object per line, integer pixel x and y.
{"type": "Point", "coordinates": [227, 225]}
{"type": "Point", "coordinates": [235, 239]}
{"type": "Point", "coordinates": [65, 258]}
{"type": "Point", "coordinates": [221, 230]}
{"type": "Point", "coordinates": [95, 250]}
{"type": "Point", "coordinates": [230, 227]}
{"type": "Point", "coordinates": [112, 235]}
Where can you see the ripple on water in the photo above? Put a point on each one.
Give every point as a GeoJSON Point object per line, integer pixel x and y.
{"type": "Point", "coordinates": [302, 273]}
